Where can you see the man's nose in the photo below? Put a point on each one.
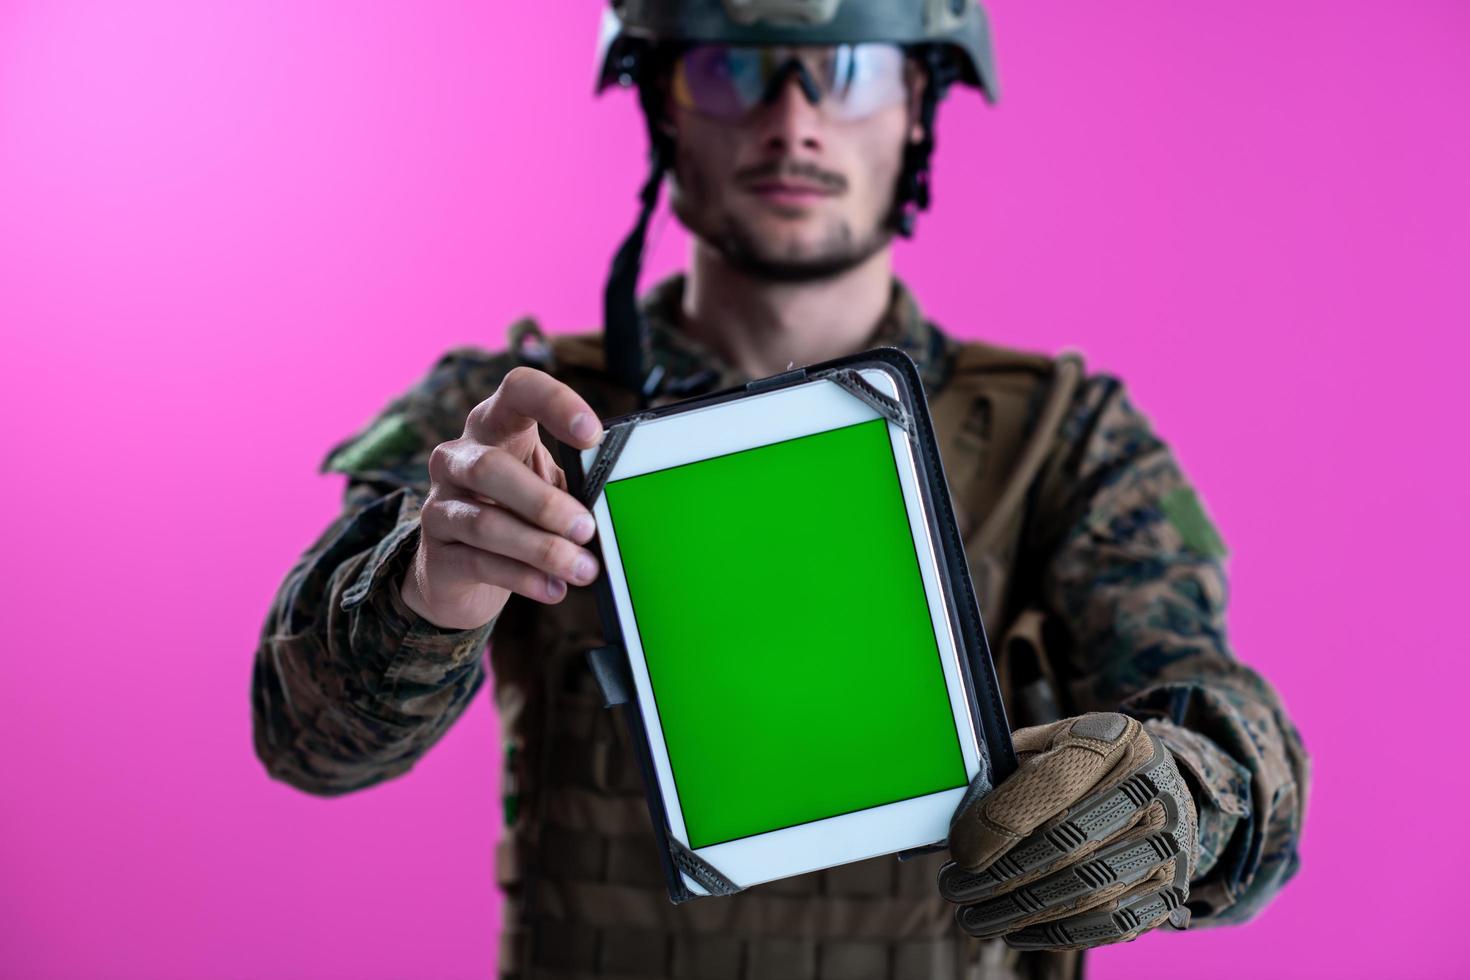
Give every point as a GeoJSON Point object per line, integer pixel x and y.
{"type": "Point", "coordinates": [790, 122]}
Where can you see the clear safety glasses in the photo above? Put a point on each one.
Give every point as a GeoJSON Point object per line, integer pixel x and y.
{"type": "Point", "coordinates": [844, 81]}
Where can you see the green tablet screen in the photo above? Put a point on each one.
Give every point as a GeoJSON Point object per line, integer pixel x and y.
{"type": "Point", "coordinates": [793, 660]}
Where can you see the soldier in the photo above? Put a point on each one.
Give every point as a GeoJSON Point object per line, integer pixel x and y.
{"type": "Point", "coordinates": [1160, 778]}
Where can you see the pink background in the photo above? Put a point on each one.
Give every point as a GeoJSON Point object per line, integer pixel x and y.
{"type": "Point", "coordinates": [229, 232]}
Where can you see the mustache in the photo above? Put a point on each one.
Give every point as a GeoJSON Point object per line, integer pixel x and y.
{"type": "Point", "coordinates": [795, 169]}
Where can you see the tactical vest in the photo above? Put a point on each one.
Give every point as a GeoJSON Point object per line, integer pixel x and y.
{"type": "Point", "coordinates": [584, 884]}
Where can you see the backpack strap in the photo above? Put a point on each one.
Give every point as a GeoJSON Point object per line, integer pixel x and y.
{"type": "Point", "coordinates": [1007, 512]}
{"type": "Point", "coordinates": [998, 420]}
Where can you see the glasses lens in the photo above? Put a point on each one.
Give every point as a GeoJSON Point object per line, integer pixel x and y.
{"type": "Point", "coordinates": [861, 79]}
{"type": "Point", "coordinates": [726, 82]}
{"type": "Point", "coordinates": [720, 81]}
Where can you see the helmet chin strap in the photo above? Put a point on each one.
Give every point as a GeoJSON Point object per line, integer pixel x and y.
{"type": "Point", "coordinates": [625, 332]}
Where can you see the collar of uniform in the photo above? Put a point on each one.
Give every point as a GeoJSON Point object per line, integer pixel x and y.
{"type": "Point", "coordinates": [903, 326]}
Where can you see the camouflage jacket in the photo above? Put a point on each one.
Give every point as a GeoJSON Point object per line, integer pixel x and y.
{"type": "Point", "coordinates": [351, 688]}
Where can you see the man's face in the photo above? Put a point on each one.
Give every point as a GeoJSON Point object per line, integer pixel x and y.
{"type": "Point", "coordinates": [792, 191]}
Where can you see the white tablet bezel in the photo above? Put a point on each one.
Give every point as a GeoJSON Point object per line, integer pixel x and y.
{"type": "Point", "coordinates": [747, 423]}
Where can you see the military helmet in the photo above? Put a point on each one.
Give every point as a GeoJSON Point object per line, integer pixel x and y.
{"type": "Point", "coordinates": [630, 27]}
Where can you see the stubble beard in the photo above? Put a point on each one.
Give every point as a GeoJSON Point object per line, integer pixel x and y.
{"type": "Point", "coordinates": [755, 255]}
{"type": "Point", "coordinates": [839, 251]}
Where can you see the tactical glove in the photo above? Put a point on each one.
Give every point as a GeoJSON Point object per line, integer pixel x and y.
{"type": "Point", "coordinates": [1091, 841]}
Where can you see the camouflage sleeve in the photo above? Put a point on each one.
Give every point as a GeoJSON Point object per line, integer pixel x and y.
{"type": "Point", "coordinates": [1135, 577]}
{"type": "Point", "coordinates": [350, 686]}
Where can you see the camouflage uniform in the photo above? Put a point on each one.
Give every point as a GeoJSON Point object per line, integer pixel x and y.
{"type": "Point", "coordinates": [1110, 596]}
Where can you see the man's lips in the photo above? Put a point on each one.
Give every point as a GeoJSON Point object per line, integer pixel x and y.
{"type": "Point", "coordinates": [787, 192]}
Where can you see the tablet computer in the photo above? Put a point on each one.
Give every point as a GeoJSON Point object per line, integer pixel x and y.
{"type": "Point", "coordinates": [790, 631]}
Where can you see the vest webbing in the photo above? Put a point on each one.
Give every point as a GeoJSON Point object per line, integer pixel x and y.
{"type": "Point", "coordinates": [586, 896]}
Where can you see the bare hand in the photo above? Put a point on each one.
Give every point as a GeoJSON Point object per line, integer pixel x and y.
{"type": "Point", "coordinates": [498, 518]}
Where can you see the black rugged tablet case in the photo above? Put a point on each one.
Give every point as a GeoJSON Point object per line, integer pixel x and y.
{"type": "Point", "coordinates": [911, 412]}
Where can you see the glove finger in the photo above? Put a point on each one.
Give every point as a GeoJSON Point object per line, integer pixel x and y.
{"type": "Point", "coordinates": [1072, 889]}
{"type": "Point", "coordinates": [1037, 738]}
{"type": "Point", "coordinates": [1105, 899]}
{"type": "Point", "coordinates": [958, 885]}
{"type": "Point", "coordinates": [965, 888]}
{"type": "Point", "coordinates": [1086, 827]}
{"type": "Point", "coordinates": [1132, 917]}
{"type": "Point", "coordinates": [1081, 759]}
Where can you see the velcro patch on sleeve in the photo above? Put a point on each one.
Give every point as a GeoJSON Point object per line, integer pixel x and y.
{"type": "Point", "coordinates": [1183, 509]}
{"type": "Point", "coordinates": [390, 437]}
